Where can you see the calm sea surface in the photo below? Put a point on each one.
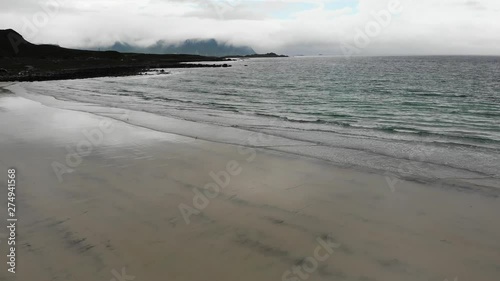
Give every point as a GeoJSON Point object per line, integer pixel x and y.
{"type": "Point", "coordinates": [444, 111]}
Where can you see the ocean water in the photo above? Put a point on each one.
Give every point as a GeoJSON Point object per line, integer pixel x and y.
{"type": "Point", "coordinates": [440, 114]}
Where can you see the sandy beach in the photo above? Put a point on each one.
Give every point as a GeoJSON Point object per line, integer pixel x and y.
{"type": "Point", "coordinates": [100, 199]}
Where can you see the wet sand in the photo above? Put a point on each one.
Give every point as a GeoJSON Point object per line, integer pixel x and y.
{"type": "Point", "coordinates": [119, 209]}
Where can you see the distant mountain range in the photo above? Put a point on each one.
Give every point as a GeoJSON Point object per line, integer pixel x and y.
{"type": "Point", "coordinates": [202, 47]}
{"type": "Point", "coordinates": [21, 60]}
{"type": "Point", "coordinates": [12, 44]}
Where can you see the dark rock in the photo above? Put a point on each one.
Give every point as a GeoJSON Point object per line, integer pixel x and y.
{"type": "Point", "coordinates": [24, 61]}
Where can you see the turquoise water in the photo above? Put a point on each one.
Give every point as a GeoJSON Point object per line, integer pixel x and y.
{"type": "Point", "coordinates": [444, 111]}
{"type": "Point", "coordinates": [453, 98]}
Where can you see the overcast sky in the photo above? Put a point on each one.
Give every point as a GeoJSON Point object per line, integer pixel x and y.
{"type": "Point", "coordinates": [287, 26]}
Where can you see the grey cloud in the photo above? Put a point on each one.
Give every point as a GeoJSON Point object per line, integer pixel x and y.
{"type": "Point", "coordinates": [424, 27]}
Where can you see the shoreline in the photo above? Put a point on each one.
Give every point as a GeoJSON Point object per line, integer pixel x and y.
{"type": "Point", "coordinates": [111, 71]}
{"type": "Point", "coordinates": [269, 216]}
{"type": "Point", "coordinates": [426, 173]}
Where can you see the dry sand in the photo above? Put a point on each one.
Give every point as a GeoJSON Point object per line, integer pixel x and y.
{"type": "Point", "coordinates": [119, 210]}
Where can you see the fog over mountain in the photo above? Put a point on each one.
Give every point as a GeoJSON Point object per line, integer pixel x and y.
{"type": "Point", "coordinates": [204, 47]}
